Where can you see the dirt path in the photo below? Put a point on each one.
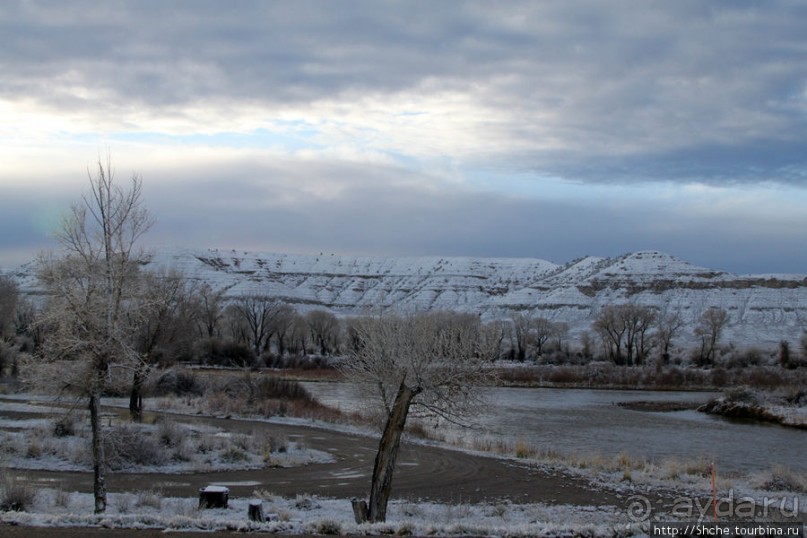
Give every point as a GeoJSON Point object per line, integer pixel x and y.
{"type": "Point", "coordinates": [423, 472]}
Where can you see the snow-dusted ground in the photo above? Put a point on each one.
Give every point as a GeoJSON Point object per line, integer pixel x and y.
{"type": "Point", "coordinates": [307, 514]}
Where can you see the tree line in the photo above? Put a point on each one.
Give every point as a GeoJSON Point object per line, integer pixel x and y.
{"type": "Point", "coordinates": [170, 319]}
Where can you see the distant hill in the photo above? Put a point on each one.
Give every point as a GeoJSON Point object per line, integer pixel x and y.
{"type": "Point", "coordinates": [764, 309]}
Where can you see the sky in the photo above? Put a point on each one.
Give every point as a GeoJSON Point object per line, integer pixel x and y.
{"type": "Point", "coordinates": [548, 130]}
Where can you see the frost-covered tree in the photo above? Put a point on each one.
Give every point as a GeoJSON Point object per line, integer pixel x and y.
{"type": "Point", "coordinates": [433, 363]}
{"type": "Point", "coordinates": [92, 287]}
{"type": "Point", "coordinates": [9, 299]}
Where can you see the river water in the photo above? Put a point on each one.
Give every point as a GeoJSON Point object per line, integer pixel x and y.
{"type": "Point", "coordinates": [586, 421]}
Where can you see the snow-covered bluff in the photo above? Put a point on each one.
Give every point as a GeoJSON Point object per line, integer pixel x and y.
{"type": "Point", "coordinates": [764, 309]}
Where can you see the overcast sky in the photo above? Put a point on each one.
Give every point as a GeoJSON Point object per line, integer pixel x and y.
{"type": "Point", "coordinates": [521, 129]}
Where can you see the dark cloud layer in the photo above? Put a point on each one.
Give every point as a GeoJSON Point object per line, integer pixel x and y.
{"type": "Point", "coordinates": [648, 85]}
{"type": "Point", "coordinates": [365, 127]}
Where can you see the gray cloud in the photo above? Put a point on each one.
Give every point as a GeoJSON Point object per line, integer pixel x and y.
{"type": "Point", "coordinates": [578, 86]}
{"type": "Point", "coordinates": [595, 94]}
{"type": "Point", "coordinates": [371, 212]}
{"type": "Point", "coordinates": [292, 205]}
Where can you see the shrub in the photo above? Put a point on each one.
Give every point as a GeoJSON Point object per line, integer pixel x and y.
{"type": "Point", "coordinates": [741, 395]}
{"type": "Point", "coordinates": [305, 502]}
{"type": "Point", "coordinates": [15, 494]}
{"type": "Point", "coordinates": [34, 450]}
{"type": "Point", "coordinates": [522, 449]}
{"type": "Point", "coordinates": [328, 526]}
{"type": "Point", "coordinates": [126, 445]}
{"type": "Point", "coordinates": [226, 353]}
{"type": "Point", "coordinates": [783, 479]}
{"type": "Point", "coordinates": [180, 383]}
{"type": "Point", "coordinates": [275, 387]}
{"type": "Point", "coordinates": [234, 455]}
{"type": "Point", "coordinates": [150, 499]}
{"type": "Point", "coordinates": [64, 426]}
{"type": "Point", "coordinates": [753, 356]}
{"type": "Point", "coordinates": [169, 433]}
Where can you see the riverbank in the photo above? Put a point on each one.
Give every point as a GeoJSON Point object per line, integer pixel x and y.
{"type": "Point", "coordinates": [605, 375]}
{"type": "Point", "coordinates": [592, 375]}
{"type": "Point", "coordinates": [788, 410]}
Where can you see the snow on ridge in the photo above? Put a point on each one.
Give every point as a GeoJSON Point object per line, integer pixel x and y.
{"type": "Point", "coordinates": [336, 264]}
{"type": "Point", "coordinates": [764, 309]}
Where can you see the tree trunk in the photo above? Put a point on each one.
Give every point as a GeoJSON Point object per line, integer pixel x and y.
{"type": "Point", "coordinates": [98, 457]}
{"type": "Point", "coordinates": [136, 397]}
{"type": "Point", "coordinates": [255, 511]}
{"type": "Point", "coordinates": [388, 453]}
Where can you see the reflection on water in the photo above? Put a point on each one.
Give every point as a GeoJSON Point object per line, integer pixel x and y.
{"type": "Point", "coordinates": [588, 422]}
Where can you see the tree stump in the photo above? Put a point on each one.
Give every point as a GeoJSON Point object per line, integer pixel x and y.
{"type": "Point", "coordinates": [359, 510]}
{"type": "Point", "coordinates": [213, 497]}
{"type": "Point", "coordinates": [256, 511]}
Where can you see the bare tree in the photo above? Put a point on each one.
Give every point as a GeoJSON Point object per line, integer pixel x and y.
{"type": "Point", "coordinates": [519, 336]}
{"type": "Point", "coordinates": [298, 335]}
{"type": "Point", "coordinates": [610, 325]}
{"type": "Point", "coordinates": [324, 330]}
{"type": "Point", "coordinates": [539, 332]}
{"type": "Point", "coordinates": [625, 331]}
{"type": "Point", "coordinates": [163, 325]}
{"type": "Point", "coordinates": [210, 306]}
{"type": "Point", "coordinates": [256, 312]}
{"type": "Point", "coordinates": [640, 341]}
{"type": "Point", "coordinates": [669, 325]}
{"type": "Point", "coordinates": [9, 298]}
{"type": "Point", "coordinates": [433, 362]}
{"type": "Point", "coordinates": [709, 330]}
{"type": "Point", "coordinates": [90, 288]}
{"type": "Point", "coordinates": [282, 324]}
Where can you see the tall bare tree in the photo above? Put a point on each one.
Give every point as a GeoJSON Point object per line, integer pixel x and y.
{"type": "Point", "coordinates": [610, 325]}
{"type": "Point", "coordinates": [433, 362]}
{"type": "Point", "coordinates": [325, 329]}
{"type": "Point", "coordinates": [625, 330]}
{"type": "Point", "coordinates": [282, 324]}
{"type": "Point", "coordinates": [256, 312]}
{"type": "Point", "coordinates": [540, 331]}
{"type": "Point", "coordinates": [210, 306]}
{"type": "Point", "coordinates": [709, 330]}
{"type": "Point", "coordinates": [519, 336]}
{"type": "Point", "coordinates": [90, 287]}
{"type": "Point", "coordinates": [164, 323]}
{"type": "Point", "coordinates": [9, 298]}
{"type": "Point", "coordinates": [669, 325]}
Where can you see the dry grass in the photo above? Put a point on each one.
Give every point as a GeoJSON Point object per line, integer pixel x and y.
{"type": "Point", "coordinates": [781, 478]}
{"type": "Point", "coordinates": [16, 494]}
